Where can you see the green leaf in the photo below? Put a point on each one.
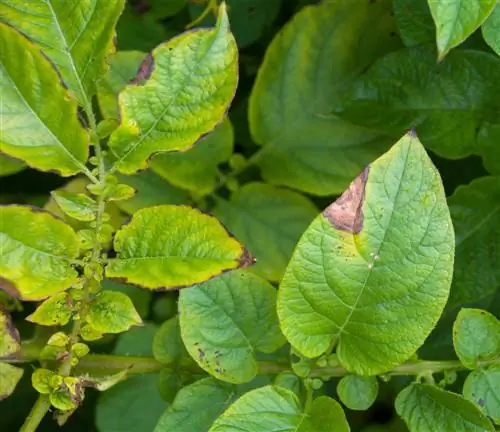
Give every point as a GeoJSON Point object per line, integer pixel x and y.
{"type": "Point", "coordinates": [168, 347]}
{"type": "Point", "coordinates": [482, 387]}
{"type": "Point", "coordinates": [426, 408]}
{"type": "Point", "coordinates": [168, 247]}
{"type": "Point", "coordinates": [79, 206]}
{"type": "Point", "coordinates": [141, 32]}
{"type": "Point", "coordinates": [45, 381]}
{"type": "Point", "coordinates": [190, 411]}
{"type": "Point", "coordinates": [151, 190]}
{"type": "Point", "coordinates": [476, 337]}
{"type": "Point", "coordinates": [137, 341]}
{"type": "Point", "coordinates": [249, 18]}
{"type": "Point", "coordinates": [325, 415]}
{"type": "Point", "coordinates": [196, 169]}
{"type": "Point", "coordinates": [456, 20]}
{"type": "Point", "coordinates": [140, 298]}
{"type": "Point", "coordinates": [37, 251]}
{"type": "Point", "coordinates": [475, 211]}
{"type": "Point", "coordinates": [55, 311]}
{"type": "Point", "coordinates": [190, 82]}
{"type": "Point", "coordinates": [358, 392]}
{"type": "Point", "coordinates": [9, 377]}
{"type": "Point", "coordinates": [76, 36]}
{"type": "Point", "coordinates": [414, 21]}
{"type": "Point", "coordinates": [166, 8]}
{"type": "Point", "coordinates": [225, 321]}
{"type": "Point", "coordinates": [123, 67]}
{"type": "Point", "coordinates": [372, 273]}
{"type": "Point", "coordinates": [10, 343]}
{"type": "Point", "coordinates": [490, 30]}
{"type": "Point", "coordinates": [112, 312]}
{"type": "Point", "coordinates": [274, 408]}
{"type": "Point", "coordinates": [39, 118]}
{"type": "Point", "coordinates": [446, 102]}
{"type": "Point", "coordinates": [269, 221]}
{"type": "Point", "coordinates": [9, 166]}
{"type": "Point", "coordinates": [487, 139]}
{"type": "Point", "coordinates": [130, 406]}
{"type": "Point", "coordinates": [135, 404]}
{"type": "Point", "coordinates": [308, 62]}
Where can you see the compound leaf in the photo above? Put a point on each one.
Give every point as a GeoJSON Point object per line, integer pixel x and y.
{"type": "Point", "coordinates": [372, 273]}
{"type": "Point", "coordinates": [76, 35]}
{"type": "Point", "coordinates": [426, 408]}
{"type": "Point", "coordinates": [321, 49]}
{"type": "Point", "coordinates": [225, 321]}
{"type": "Point", "coordinates": [190, 411]}
{"type": "Point", "coordinates": [190, 82]}
{"type": "Point", "coordinates": [39, 117]}
{"type": "Point", "coordinates": [9, 377]}
{"type": "Point", "coordinates": [490, 30]}
{"type": "Point", "coordinates": [456, 20]}
{"type": "Point", "coordinates": [276, 408]}
{"type": "Point", "coordinates": [37, 252]}
{"type": "Point", "coordinates": [169, 247]}
{"type": "Point", "coordinates": [269, 221]}
{"type": "Point", "coordinates": [476, 337]}
{"type": "Point", "coordinates": [482, 387]}
{"type": "Point", "coordinates": [475, 211]}
{"type": "Point", "coordinates": [446, 102]}
{"type": "Point", "coordinates": [196, 169]}
{"type": "Point", "coordinates": [10, 343]}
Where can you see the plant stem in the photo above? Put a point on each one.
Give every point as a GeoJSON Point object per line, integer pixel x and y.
{"type": "Point", "coordinates": [103, 364]}
{"type": "Point", "coordinates": [36, 414]}
{"type": "Point", "coordinates": [211, 6]}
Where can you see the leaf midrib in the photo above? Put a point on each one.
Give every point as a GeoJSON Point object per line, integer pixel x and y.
{"type": "Point", "coordinates": [167, 108]}
{"type": "Point", "coordinates": [45, 126]}
{"type": "Point", "coordinates": [32, 248]}
{"type": "Point", "coordinates": [370, 270]}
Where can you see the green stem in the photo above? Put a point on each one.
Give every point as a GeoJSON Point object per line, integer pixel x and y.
{"type": "Point", "coordinates": [36, 414]}
{"type": "Point", "coordinates": [103, 364]}
{"type": "Point", "coordinates": [211, 6]}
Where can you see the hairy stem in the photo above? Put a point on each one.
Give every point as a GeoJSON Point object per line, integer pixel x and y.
{"type": "Point", "coordinates": [36, 414]}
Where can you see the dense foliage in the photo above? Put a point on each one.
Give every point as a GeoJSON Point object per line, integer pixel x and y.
{"type": "Point", "coordinates": [265, 215]}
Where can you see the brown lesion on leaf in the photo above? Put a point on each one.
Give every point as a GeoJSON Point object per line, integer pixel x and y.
{"type": "Point", "coordinates": [10, 288]}
{"type": "Point", "coordinates": [346, 213]}
{"type": "Point", "coordinates": [14, 335]}
{"type": "Point", "coordinates": [145, 70]}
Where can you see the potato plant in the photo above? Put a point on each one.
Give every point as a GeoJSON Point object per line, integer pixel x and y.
{"type": "Point", "coordinates": [318, 254]}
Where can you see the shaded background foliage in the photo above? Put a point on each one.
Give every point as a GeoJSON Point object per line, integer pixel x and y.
{"type": "Point", "coordinates": [144, 25]}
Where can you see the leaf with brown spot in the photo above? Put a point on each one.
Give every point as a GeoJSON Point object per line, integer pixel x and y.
{"type": "Point", "coordinates": [10, 343]}
{"type": "Point", "coordinates": [346, 213]}
{"type": "Point", "coordinates": [171, 247]}
{"type": "Point", "coordinates": [371, 274]}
